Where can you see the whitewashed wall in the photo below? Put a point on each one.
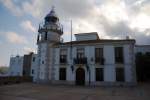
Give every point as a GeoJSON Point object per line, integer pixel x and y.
{"type": "Point", "coordinates": [16, 66]}
{"type": "Point", "coordinates": [109, 68]}
{"type": "Point", "coordinates": [42, 57]}
{"type": "Point", "coordinates": [81, 37]}
{"type": "Point", "coordinates": [34, 67]}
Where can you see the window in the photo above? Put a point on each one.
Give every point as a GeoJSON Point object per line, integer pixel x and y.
{"type": "Point", "coordinates": [45, 36]}
{"type": "Point", "coordinates": [81, 59]}
{"type": "Point", "coordinates": [99, 74]}
{"type": "Point", "coordinates": [120, 74]}
{"type": "Point", "coordinates": [24, 72]}
{"type": "Point", "coordinates": [62, 74]}
{"type": "Point", "coordinates": [63, 56]}
{"type": "Point", "coordinates": [32, 71]}
{"type": "Point", "coordinates": [42, 62]}
{"type": "Point", "coordinates": [99, 56]}
{"type": "Point", "coordinates": [80, 53]}
{"type": "Point", "coordinates": [119, 54]}
{"type": "Point", "coordinates": [33, 59]}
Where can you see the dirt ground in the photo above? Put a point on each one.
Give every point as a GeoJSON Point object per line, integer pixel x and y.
{"type": "Point", "coordinates": [30, 91]}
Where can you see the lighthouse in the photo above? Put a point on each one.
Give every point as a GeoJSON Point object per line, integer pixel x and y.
{"type": "Point", "coordinates": [49, 33]}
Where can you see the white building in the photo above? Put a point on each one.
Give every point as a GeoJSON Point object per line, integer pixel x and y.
{"type": "Point", "coordinates": [21, 65]}
{"type": "Point", "coordinates": [16, 66]}
{"type": "Point", "coordinates": [34, 67]}
{"type": "Point", "coordinates": [86, 61]}
{"type": "Point", "coordinates": [142, 49]}
{"type": "Point", "coordinates": [89, 60]}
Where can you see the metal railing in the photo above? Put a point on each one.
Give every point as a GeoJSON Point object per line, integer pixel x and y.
{"type": "Point", "coordinates": [100, 60]}
{"type": "Point", "coordinates": [80, 60]}
{"type": "Point", "coordinates": [63, 61]}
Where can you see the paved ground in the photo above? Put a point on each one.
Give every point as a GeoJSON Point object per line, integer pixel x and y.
{"type": "Point", "coordinates": [29, 91]}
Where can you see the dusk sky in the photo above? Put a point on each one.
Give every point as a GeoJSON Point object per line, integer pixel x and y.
{"type": "Point", "coordinates": [112, 19]}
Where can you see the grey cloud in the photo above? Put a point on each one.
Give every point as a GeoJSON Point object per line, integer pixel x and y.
{"type": "Point", "coordinates": [84, 11]}
{"type": "Point", "coordinates": [73, 8]}
{"type": "Point", "coordinates": [122, 30]}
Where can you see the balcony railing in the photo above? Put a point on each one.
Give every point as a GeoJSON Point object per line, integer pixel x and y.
{"type": "Point", "coordinates": [63, 61]}
{"type": "Point", "coordinates": [80, 60]}
{"type": "Point", "coordinates": [100, 60]}
{"type": "Point", "coordinates": [119, 60]}
{"type": "Point", "coordinates": [56, 28]}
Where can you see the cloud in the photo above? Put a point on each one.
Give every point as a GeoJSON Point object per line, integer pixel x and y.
{"type": "Point", "coordinates": [110, 18]}
{"type": "Point", "coordinates": [22, 7]}
{"type": "Point", "coordinates": [15, 38]}
{"type": "Point", "coordinates": [9, 4]}
{"type": "Point", "coordinates": [29, 49]}
{"type": "Point", "coordinates": [27, 25]}
{"type": "Point", "coordinates": [38, 8]}
{"type": "Point", "coordinates": [141, 22]}
{"type": "Point", "coordinates": [139, 2]}
{"type": "Point", "coordinates": [114, 11]}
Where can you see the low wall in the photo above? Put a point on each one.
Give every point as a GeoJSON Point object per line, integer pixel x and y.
{"type": "Point", "coordinates": [59, 82]}
{"type": "Point", "coordinates": [14, 79]}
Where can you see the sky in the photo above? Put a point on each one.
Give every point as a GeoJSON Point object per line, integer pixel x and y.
{"type": "Point", "coordinates": [112, 19]}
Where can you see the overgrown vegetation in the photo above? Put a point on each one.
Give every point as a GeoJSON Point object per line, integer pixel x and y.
{"type": "Point", "coordinates": [3, 70]}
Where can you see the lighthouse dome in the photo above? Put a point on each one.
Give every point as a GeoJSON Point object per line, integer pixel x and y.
{"type": "Point", "coordinates": [51, 17]}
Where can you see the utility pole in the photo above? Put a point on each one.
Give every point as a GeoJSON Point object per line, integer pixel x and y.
{"type": "Point", "coordinates": [71, 48]}
{"type": "Point", "coordinates": [71, 38]}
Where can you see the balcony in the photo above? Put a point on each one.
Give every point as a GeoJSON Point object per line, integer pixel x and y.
{"type": "Point", "coordinates": [58, 28]}
{"type": "Point", "coordinates": [80, 60]}
{"type": "Point", "coordinates": [99, 60]}
{"type": "Point", "coordinates": [63, 61]}
{"type": "Point", "coordinates": [119, 60]}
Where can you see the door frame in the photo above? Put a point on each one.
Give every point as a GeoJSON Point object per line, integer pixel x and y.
{"type": "Point", "coordinates": [80, 76]}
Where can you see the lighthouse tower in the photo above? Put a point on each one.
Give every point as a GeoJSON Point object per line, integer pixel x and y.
{"type": "Point", "coordinates": [49, 33]}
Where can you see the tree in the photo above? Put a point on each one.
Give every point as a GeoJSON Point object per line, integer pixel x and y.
{"type": "Point", "coordinates": [3, 70]}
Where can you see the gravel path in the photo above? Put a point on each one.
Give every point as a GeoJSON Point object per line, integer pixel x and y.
{"type": "Point", "coordinates": [30, 91]}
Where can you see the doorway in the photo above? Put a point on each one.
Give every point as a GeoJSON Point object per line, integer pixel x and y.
{"type": "Point", "coordinates": [80, 76]}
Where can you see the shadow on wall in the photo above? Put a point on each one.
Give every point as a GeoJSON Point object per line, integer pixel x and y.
{"type": "Point", "coordinates": [143, 66]}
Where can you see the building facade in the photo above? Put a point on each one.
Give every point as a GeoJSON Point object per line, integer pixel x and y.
{"type": "Point", "coordinates": [89, 60]}
{"type": "Point", "coordinates": [34, 67]}
{"type": "Point", "coordinates": [16, 66]}
{"type": "Point", "coordinates": [142, 49]}
{"type": "Point", "coordinates": [86, 61]}
{"type": "Point", "coordinates": [21, 65]}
